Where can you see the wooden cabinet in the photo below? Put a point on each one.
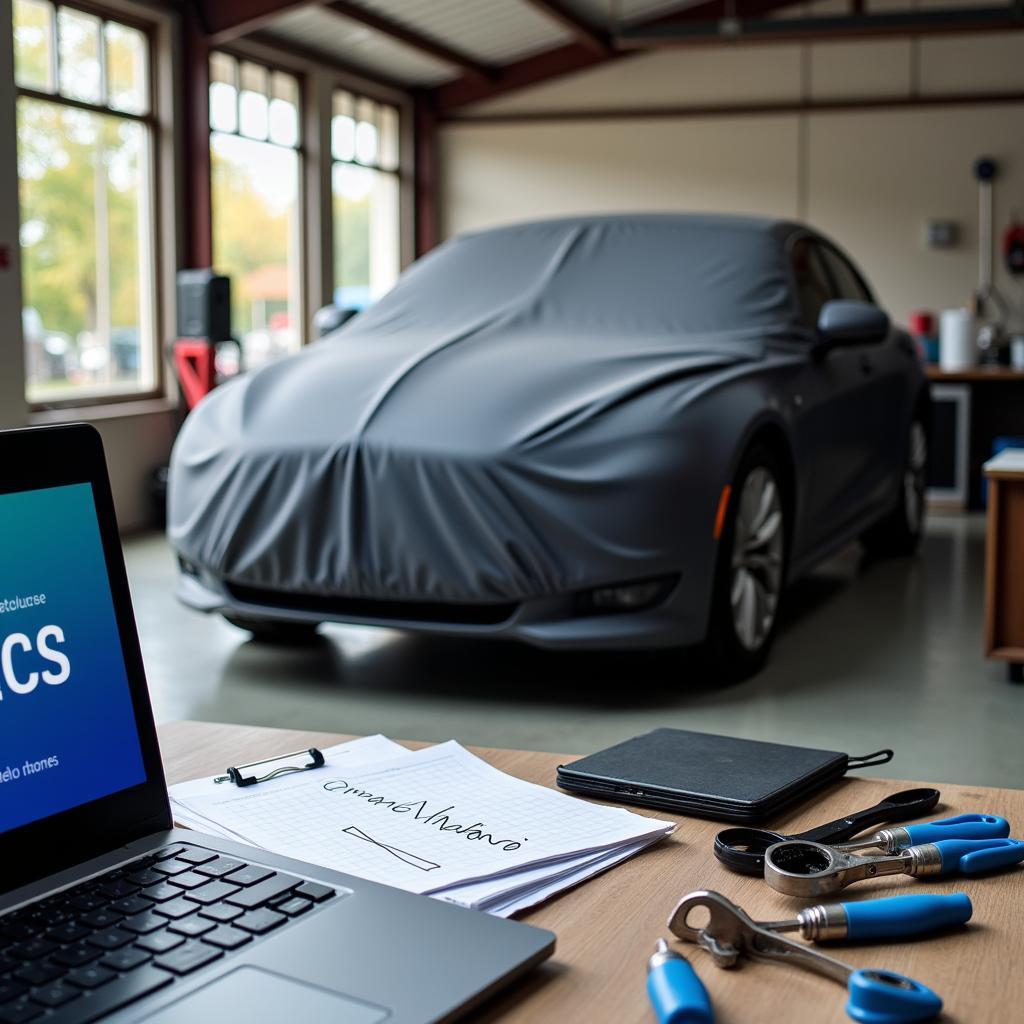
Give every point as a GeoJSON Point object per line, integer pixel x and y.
{"type": "Point", "coordinates": [1004, 561]}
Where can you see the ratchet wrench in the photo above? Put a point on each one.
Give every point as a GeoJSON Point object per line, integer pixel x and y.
{"type": "Point", "coordinates": [799, 868]}
{"type": "Point", "coordinates": [875, 996]}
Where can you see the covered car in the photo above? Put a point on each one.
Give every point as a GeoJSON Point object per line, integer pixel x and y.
{"type": "Point", "coordinates": [590, 432]}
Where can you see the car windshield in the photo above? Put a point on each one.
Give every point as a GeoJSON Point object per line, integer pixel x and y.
{"type": "Point", "coordinates": [670, 276]}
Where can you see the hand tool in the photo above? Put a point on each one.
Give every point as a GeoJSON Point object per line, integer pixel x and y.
{"type": "Point", "coordinates": [963, 826]}
{"type": "Point", "coordinates": [891, 917]}
{"type": "Point", "coordinates": [799, 868]}
{"type": "Point", "coordinates": [677, 994]}
{"type": "Point", "coordinates": [875, 996]}
{"type": "Point", "coordinates": [742, 849]}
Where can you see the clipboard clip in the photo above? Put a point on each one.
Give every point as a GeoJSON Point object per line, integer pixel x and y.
{"type": "Point", "coordinates": [237, 776]}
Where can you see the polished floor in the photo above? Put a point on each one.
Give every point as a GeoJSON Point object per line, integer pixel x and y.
{"type": "Point", "coordinates": [870, 655]}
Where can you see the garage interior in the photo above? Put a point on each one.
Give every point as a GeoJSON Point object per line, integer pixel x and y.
{"type": "Point", "coordinates": [862, 119]}
{"type": "Point", "coordinates": [543, 375]}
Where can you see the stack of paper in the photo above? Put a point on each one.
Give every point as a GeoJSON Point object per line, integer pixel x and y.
{"type": "Point", "coordinates": [437, 821]}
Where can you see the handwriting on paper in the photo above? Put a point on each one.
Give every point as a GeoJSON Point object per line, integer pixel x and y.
{"type": "Point", "coordinates": [439, 819]}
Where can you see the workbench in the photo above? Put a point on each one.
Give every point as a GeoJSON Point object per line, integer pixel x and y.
{"type": "Point", "coordinates": [607, 926]}
{"type": "Point", "coordinates": [1004, 561]}
{"type": "Point", "coordinates": [971, 407]}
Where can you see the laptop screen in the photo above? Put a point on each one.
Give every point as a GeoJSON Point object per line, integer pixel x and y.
{"type": "Point", "coordinates": [68, 734]}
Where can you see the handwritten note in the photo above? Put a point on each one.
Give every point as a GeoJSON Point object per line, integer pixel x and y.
{"type": "Point", "coordinates": [427, 821]}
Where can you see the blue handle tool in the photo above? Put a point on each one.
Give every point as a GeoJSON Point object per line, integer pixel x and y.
{"type": "Point", "coordinates": [677, 994]}
{"type": "Point", "coordinates": [963, 826]}
{"type": "Point", "coordinates": [973, 856]}
{"type": "Point", "coordinates": [896, 916]}
{"type": "Point", "coordinates": [883, 997]}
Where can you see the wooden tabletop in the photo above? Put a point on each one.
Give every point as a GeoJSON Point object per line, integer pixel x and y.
{"type": "Point", "coordinates": [975, 375]}
{"type": "Point", "coordinates": [607, 927]}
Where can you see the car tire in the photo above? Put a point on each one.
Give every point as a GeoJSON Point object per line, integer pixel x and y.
{"type": "Point", "coordinates": [277, 632]}
{"type": "Point", "coordinates": [899, 533]}
{"type": "Point", "coordinates": [750, 569]}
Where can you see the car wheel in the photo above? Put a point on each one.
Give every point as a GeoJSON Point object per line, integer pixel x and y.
{"type": "Point", "coordinates": [750, 570]}
{"type": "Point", "coordinates": [899, 533]}
{"type": "Point", "coordinates": [277, 631]}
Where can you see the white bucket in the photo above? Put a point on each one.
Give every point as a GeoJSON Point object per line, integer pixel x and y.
{"type": "Point", "coordinates": [958, 347]}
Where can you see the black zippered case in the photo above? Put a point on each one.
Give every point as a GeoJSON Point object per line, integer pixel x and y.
{"type": "Point", "coordinates": [708, 776]}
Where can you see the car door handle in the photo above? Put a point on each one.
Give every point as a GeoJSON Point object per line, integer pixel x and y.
{"type": "Point", "coordinates": [867, 366]}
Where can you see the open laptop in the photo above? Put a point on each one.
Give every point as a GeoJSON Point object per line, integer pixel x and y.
{"type": "Point", "coordinates": [108, 912]}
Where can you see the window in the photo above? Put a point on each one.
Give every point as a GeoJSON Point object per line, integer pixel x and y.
{"type": "Point", "coordinates": [366, 192]}
{"type": "Point", "coordinates": [85, 166]}
{"type": "Point", "coordinates": [812, 284]}
{"type": "Point", "coordinates": [847, 281]}
{"type": "Point", "coordinates": [257, 237]}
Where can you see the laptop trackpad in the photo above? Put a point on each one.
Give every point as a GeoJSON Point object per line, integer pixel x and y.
{"type": "Point", "coordinates": [259, 997]}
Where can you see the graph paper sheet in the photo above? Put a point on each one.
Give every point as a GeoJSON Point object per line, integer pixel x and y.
{"type": "Point", "coordinates": [422, 821]}
{"type": "Point", "coordinates": [361, 751]}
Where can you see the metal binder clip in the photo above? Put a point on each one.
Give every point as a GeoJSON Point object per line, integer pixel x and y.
{"type": "Point", "coordinates": [235, 774]}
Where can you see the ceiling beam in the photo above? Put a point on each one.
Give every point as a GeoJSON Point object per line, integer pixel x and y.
{"type": "Point", "coordinates": [586, 34]}
{"type": "Point", "coordinates": [543, 67]}
{"type": "Point", "coordinates": [472, 68]}
{"type": "Point", "coordinates": [839, 26]}
{"type": "Point", "coordinates": [225, 20]}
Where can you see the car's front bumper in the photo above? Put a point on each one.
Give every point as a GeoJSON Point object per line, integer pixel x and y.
{"type": "Point", "coordinates": [549, 622]}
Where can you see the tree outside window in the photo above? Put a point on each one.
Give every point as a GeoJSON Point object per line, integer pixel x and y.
{"type": "Point", "coordinates": [85, 138]}
{"type": "Point", "coordinates": [257, 241]}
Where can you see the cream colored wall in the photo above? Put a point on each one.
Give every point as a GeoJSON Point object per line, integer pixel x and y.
{"type": "Point", "coordinates": [870, 178]}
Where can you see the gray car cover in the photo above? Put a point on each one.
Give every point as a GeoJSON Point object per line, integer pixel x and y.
{"type": "Point", "coordinates": [509, 422]}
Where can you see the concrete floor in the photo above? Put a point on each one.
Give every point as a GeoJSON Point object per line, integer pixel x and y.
{"type": "Point", "coordinates": [869, 656]}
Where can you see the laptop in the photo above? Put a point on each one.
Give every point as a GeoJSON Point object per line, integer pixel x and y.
{"type": "Point", "coordinates": [107, 912]}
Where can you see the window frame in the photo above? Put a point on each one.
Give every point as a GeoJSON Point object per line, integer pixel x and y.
{"type": "Point", "coordinates": [152, 121]}
{"type": "Point", "coordinates": [244, 54]}
{"type": "Point", "coordinates": [396, 172]}
{"type": "Point", "coordinates": [318, 82]}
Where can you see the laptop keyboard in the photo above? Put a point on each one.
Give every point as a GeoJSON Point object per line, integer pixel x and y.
{"type": "Point", "coordinates": [90, 950]}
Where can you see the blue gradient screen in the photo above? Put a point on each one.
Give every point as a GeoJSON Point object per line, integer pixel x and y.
{"type": "Point", "coordinates": [67, 728]}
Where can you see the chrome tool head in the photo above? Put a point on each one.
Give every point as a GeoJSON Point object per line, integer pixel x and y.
{"type": "Point", "coordinates": [800, 868]}
{"type": "Point", "coordinates": [729, 932]}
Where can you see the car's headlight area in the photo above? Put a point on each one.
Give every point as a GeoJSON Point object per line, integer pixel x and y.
{"type": "Point", "coordinates": [630, 596]}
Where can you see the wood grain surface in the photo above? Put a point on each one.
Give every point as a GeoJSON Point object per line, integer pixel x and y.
{"type": "Point", "coordinates": [607, 927]}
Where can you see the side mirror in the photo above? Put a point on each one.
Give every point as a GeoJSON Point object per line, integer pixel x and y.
{"type": "Point", "coordinates": [851, 322]}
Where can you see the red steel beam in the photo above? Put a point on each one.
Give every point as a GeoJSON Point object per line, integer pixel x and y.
{"type": "Point", "coordinates": [473, 69]}
{"type": "Point", "coordinates": [198, 248]}
{"type": "Point", "coordinates": [718, 110]}
{"type": "Point", "coordinates": [586, 34]}
{"type": "Point", "coordinates": [543, 67]}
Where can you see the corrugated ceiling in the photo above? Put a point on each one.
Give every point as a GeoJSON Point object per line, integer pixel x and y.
{"type": "Point", "coordinates": [354, 44]}
{"type": "Point", "coordinates": [602, 12]}
{"type": "Point", "coordinates": [494, 32]}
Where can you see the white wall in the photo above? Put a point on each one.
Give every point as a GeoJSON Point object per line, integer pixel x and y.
{"type": "Point", "coordinates": [870, 178]}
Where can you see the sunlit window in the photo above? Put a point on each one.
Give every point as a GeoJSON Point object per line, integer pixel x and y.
{"type": "Point", "coordinates": [257, 242]}
{"type": "Point", "coordinates": [365, 186]}
{"type": "Point", "coordinates": [85, 165]}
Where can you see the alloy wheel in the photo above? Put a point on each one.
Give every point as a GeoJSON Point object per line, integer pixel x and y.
{"type": "Point", "coordinates": [914, 476]}
{"type": "Point", "coordinates": [757, 558]}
